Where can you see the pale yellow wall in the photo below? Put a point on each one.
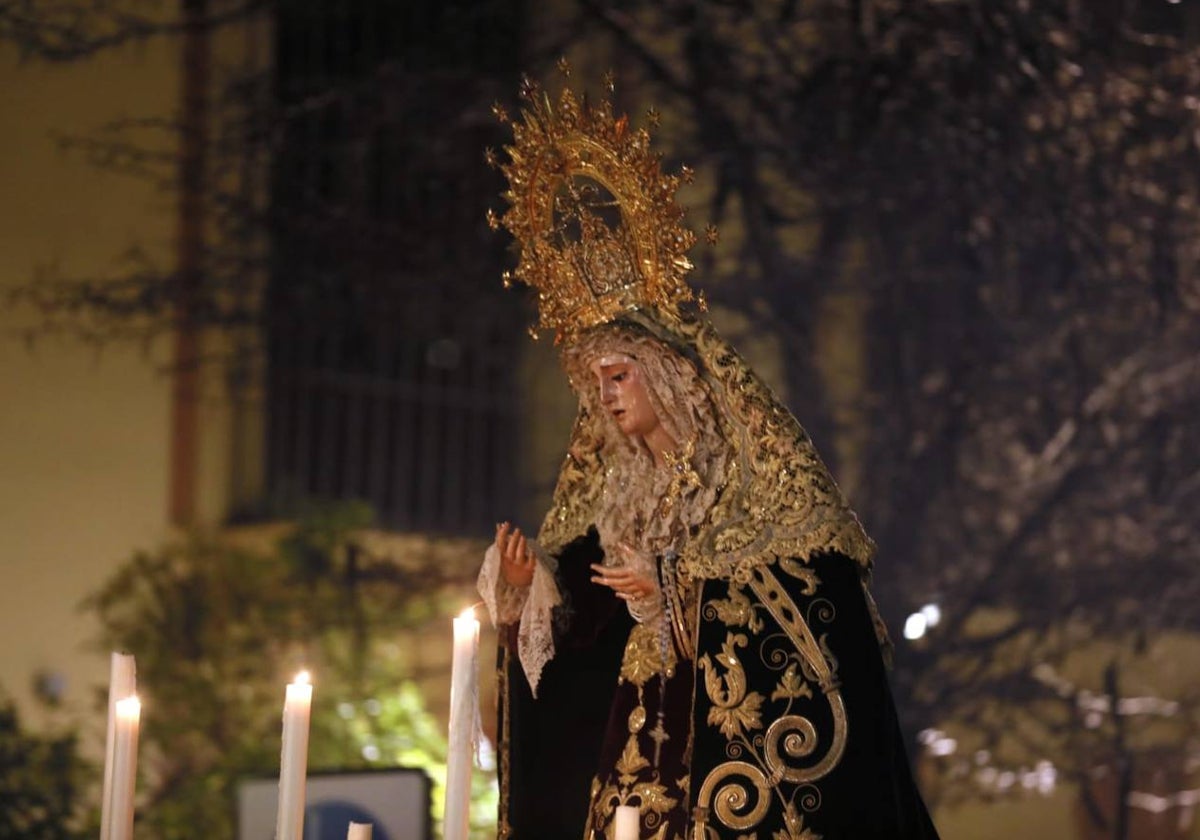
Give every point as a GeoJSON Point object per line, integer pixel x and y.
{"type": "Point", "coordinates": [83, 434]}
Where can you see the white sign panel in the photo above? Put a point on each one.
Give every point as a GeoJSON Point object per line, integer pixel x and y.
{"type": "Point", "coordinates": [395, 802]}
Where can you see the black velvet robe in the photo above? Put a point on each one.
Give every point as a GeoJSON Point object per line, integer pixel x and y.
{"type": "Point", "coordinates": [748, 692]}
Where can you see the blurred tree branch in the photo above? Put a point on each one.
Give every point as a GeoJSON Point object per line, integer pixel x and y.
{"type": "Point", "coordinates": [65, 30]}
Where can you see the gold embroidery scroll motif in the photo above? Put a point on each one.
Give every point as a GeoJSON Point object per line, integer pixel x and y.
{"type": "Point", "coordinates": [798, 746]}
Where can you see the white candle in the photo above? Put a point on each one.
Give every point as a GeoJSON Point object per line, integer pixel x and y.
{"type": "Point", "coordinates": [625, 824]}
{"type": "Point", "coordinates": [122, 682]}
{"type": "Point", "coordinates": [128, 713]}
{"type": "Point", "coordinates": [293, 759]}
{"type": "Point", "coordinates": [359, 831]}
{"type": "Point", "coordinates": [463, 697]}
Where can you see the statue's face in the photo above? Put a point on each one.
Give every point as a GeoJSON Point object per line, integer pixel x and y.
{"type": "Point", "coordinates": [623, 394]}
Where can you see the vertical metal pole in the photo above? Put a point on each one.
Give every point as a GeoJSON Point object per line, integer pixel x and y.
{"type": "Point", "coordinates": [185, 394]}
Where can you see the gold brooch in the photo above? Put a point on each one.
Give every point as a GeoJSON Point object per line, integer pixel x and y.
{"type": "Point", "coordinates": [683, 475]}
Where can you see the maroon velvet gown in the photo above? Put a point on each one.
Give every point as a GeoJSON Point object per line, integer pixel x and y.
{"type": "Point", "coordinates": [575, 744]}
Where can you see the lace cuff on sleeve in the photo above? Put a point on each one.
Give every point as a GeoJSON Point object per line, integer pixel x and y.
{"type": "Point", "coordinates": [646, 609]}
{"type": "Point", "coordinates": [533, 606]}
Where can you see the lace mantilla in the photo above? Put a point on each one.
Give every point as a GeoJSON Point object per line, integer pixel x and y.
{"type": "Point", "coordinates": [532, 606]}
{"type": "Point", "coordinates": [765, 493]}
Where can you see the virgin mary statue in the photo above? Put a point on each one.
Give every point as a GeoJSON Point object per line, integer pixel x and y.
{"type": "Point", "coordinates": [688, 646]}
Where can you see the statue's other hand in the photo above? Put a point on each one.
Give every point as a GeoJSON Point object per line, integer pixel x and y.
{"type": "Point", "coordinates": [517, 562]}
{"type": "Point", "coordinates": [628, 584]}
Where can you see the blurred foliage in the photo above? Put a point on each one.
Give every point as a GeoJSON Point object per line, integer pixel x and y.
{"type": "Point", "coordinates": [218, 629]}
{"type": "Point", "coordinates": [43, 782]}
{"type": "Point", "coordinates": [395, 729]}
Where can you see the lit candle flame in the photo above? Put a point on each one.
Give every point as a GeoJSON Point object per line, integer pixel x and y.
{"type": "Point", "coordinates": [129, 708]}
{"type": "Point", "coordinates": [302, 678]}
{"type": "Point", "coordinates": [466, 615]}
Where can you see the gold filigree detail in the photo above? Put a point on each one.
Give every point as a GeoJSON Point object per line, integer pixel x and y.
{"type": "Point", "coordinates": [728, 800]}
{"type": "Point", "coordinates": [631, 761]}
{"type": "Point", "coordinates": [596, 219]}
{"type": "Point", "coordinates": [684, 596]}
{"type": "Point", "coordinates": [794, 828]}
{"type": "Point", "coordinates": [654, 797]}
{"type": "Point", "coordinates": [637, 719]}
{"type": "Point", "coordinates": [734, 710]}
{"type": "Point", "coordinates": [791, 750]}
{"type": "Point", "coordinates": [683, 475]}
{"type": "Point", "coordinates": [780, 500]}
{"type": "Point", "coordinates": [794, 736]}
{"type": "Point", "coordinates": [643, 655]}
{"type": "Point", "coordinates": [735, 611]}
{"type": "Point", "coordinates": [806, 574]}
{"type": "Point", "coordinates": [635, 787]}
{"type": "Point", "coordinates": [791, 686]}
{"type": "Point", "coordinates": [783, 609]}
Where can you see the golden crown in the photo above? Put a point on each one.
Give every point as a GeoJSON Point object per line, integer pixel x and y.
{"type": "Point", "coordinates": [597, 222]}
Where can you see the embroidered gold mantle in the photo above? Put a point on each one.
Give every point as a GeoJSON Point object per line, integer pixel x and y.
{"type": "Point", "coordinates": [778, 499]}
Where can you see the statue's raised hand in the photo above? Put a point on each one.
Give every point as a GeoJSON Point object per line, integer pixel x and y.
{"type": "Point", "coordinates": [517, 562]}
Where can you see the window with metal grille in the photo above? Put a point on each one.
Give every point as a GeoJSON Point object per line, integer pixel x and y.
{"type": "Point", "coordinates": [391, 346]}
